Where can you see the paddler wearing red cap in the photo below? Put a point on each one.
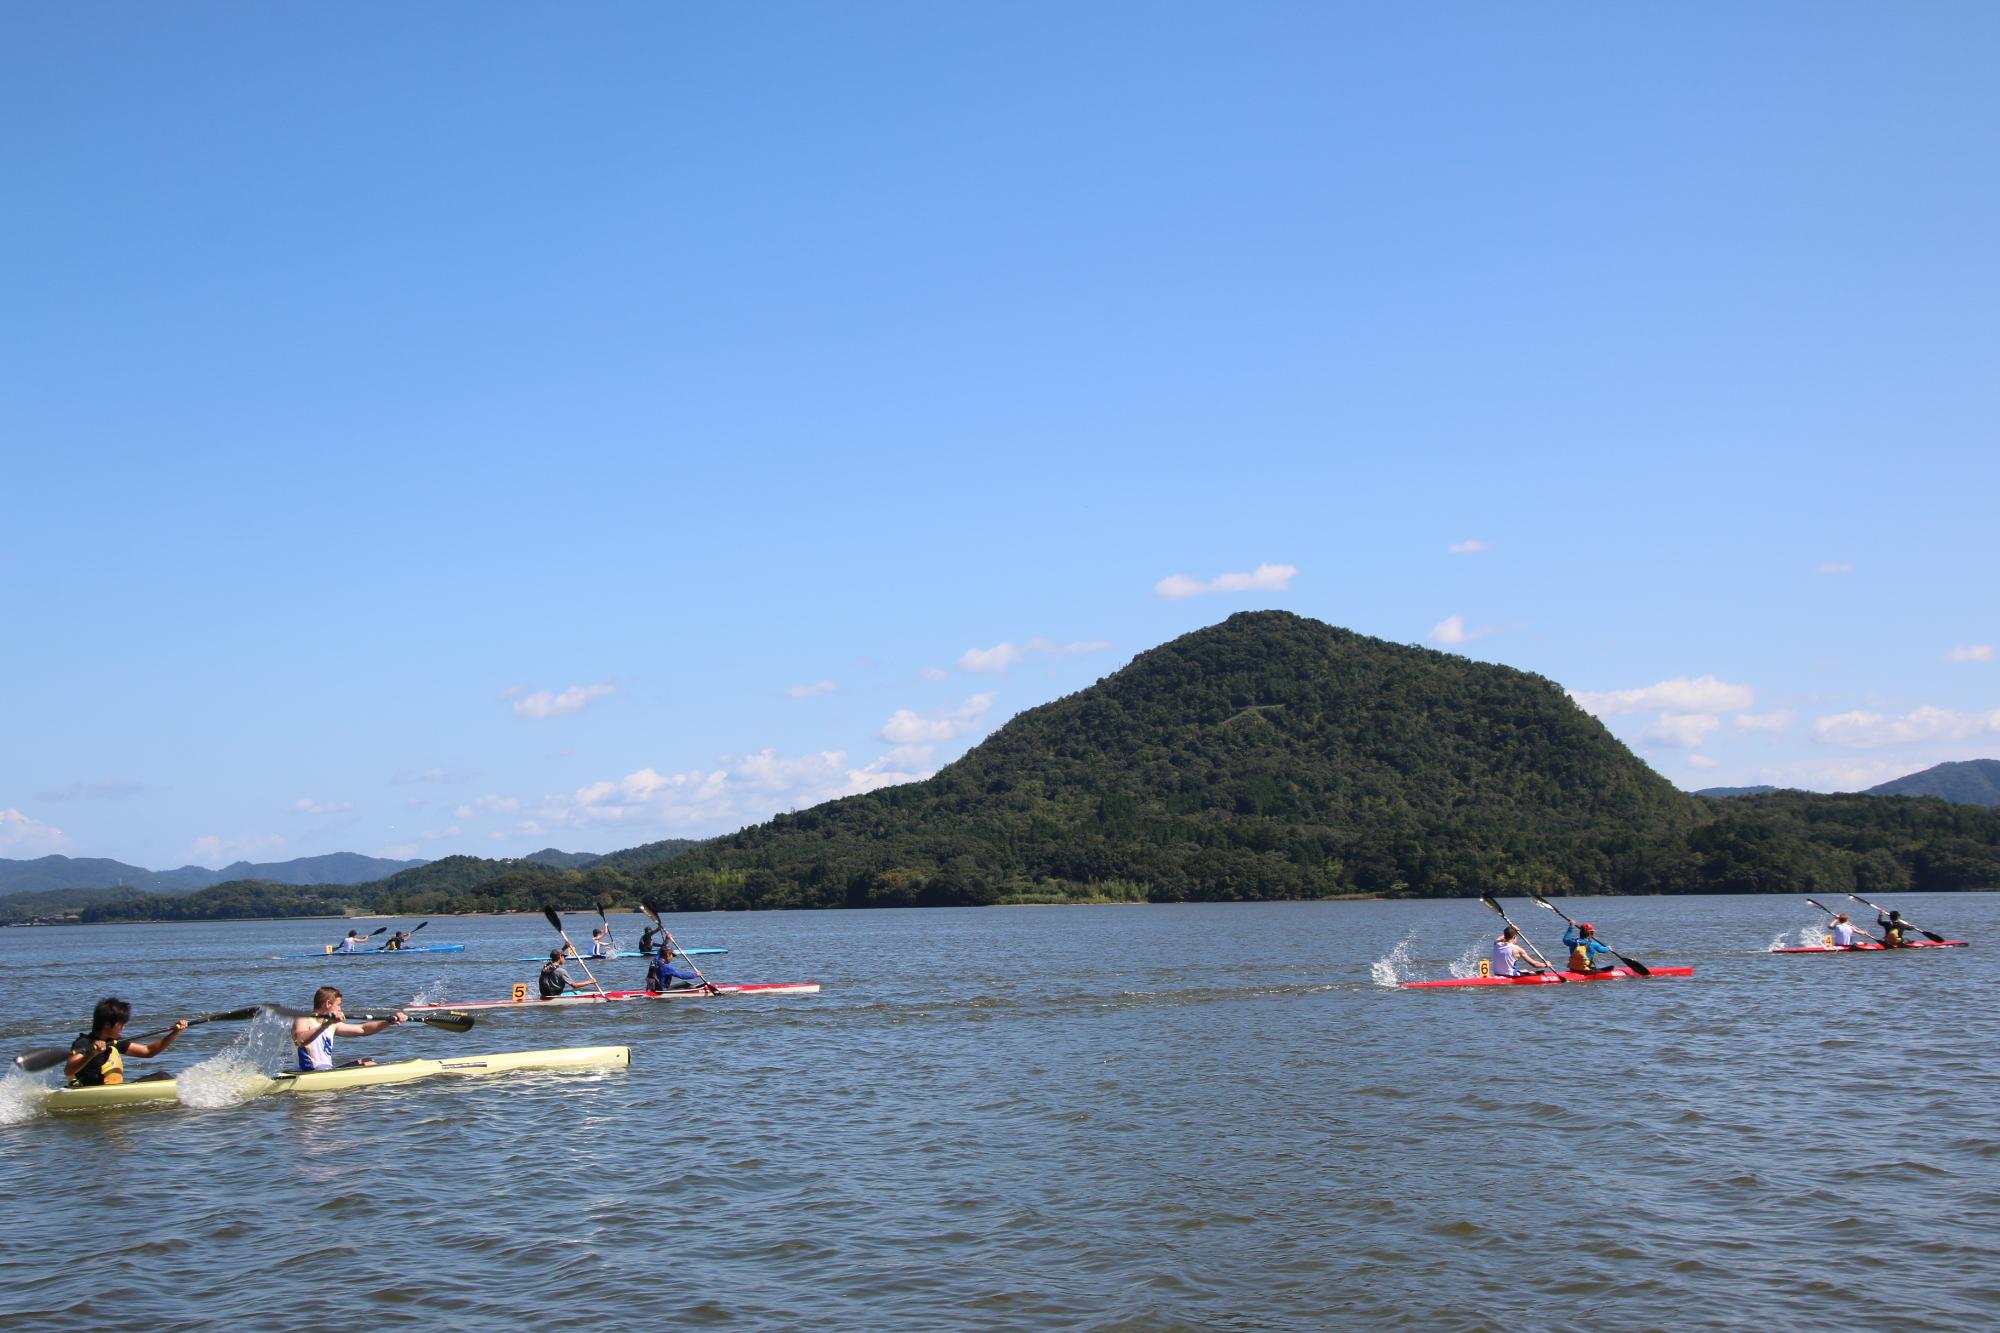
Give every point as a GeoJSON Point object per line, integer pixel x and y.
{"type": "Point", "coordinates": [1584, 949]}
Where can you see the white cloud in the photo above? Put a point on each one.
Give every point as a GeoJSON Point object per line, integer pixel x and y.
{"type": "Point", "coordinates": [305, 805]}
{"type": "Point", "coordinates": [1682, 730]}
{"type": "Point", "coordinates": [1267, 577]}
{"type": "Point", "coordinates": [1702, 694]}
{"type": "Point", "coordinates": [907, 727]}
{"type": "Point", "coordinates": [486, 807]}
{"type": "Point", "coordinates": [1470, 546]}
{"type": "Point", "coordinates": [1700, 761]}
{"type": "Point", "coordinates": [1836, 568]}
{"type": "Point", "coordinates": [1778, 721]}
{"type": "Point", "coordinates": [19, 833]}
{"type": "Point", "coordinates": [1867, 731]}
{"type": "Point", "coordinates": [215, 850]}
{"type": "Point", "coordinates": [546, 704]}
{"type": "Point", "coordinates": [933, 673]}
{"type": "Point", "coordinates": [992, 660]}
{"type": "Point", "coordinates": [1970, 652]}
{"type": "Point", "coordinates": [1449, 630]}
{"type": "Point", "coordinates": [812, 691]}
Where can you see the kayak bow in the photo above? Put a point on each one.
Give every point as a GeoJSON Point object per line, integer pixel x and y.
{"type": "Point", "coordinates": [591, 997]}
{"type": "Point", "coordinates": [1868, 946]}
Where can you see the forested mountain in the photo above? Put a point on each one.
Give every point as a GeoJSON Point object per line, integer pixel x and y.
{"type": "Point", "coordinates": [1720, 792]}
{"type": "Point", "coordinates": [1972, 782]}
{"type": "Point", "coordinates": [48, 873]}
{"type": "Point", "coordinates": [1270, 756]}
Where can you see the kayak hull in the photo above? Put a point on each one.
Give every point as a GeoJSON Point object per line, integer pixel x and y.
{"type": "Point", "coordinates": [358, 1076]}
{"type": "Point", "coordinates": [592, 997]}
{"type": "Point", "coordinates": [1871, 947]}
{"type": "Point", "coordinates": [1550, 979]}
{"type": "Point", "coordinates": [379, 953]}
{"type": "Point", "coordinates": [605, 958]}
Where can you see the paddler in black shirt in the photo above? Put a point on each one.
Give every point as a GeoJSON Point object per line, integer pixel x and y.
{"type": "Point", "coordinates": [1892, 929]}
{"type": "Point", "coordinates": [555, 978]}
{"type": "Point", "coordinates": [396, 942]}
{"type": "Point", "coordinates": [97, 1057]}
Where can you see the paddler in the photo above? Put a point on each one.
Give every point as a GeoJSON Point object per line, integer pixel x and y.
{"type": "Point", "coordinates": [1843, 931]}
{"type": "Point", "coordinates": [663, 975]}
{"type": "Point", "coordinates": [646, 939]}
{"type": "Point", "coordinates": [313, 1034]}
{"type": "Point", "coordinates": [600, 943]}
{"type": "Point", "coordinates": [1892, 927]}
{"type": "Point", "coordinates": [555, 978]}
{"type": "Point", "coordinates": [1511, 951]}
{"type": "Point", "coordinates": [397, 941]}
{"type": "Point", "coordinates": [96, 1057]}
{"type": "Point", "coordinates": [1584, 948]}
{"type": "Point", "coordinates": [354, 943]}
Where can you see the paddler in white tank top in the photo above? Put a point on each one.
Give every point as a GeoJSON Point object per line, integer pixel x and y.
{"type": "Point", "coordinates": [313, 1035]}
{"type": "Point", "coordinates": [1843, 932]}
{"type": "Point", "coordinates": [1509, 952]}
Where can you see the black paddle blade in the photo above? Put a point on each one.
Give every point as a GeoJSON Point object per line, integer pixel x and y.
{"type": "Point", "coordinates": [554, 920]}
{"type": "Point", "coordinates": [648, 909]}
{"type": "Point", "coordinates": [377, 931]}
{"type": "Point", "coordinates": [1633, 963]}
{"type": "Point", "coordinates": [1493, 903]}
{"type": "Point", "coordinates": [1821, 906]}
{"type": "Point", "coordinates": [42, 1057]}
{"type": "Point", "coordinates": [453, 1022]}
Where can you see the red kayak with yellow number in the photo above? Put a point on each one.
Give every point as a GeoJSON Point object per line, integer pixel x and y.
{"type": "Point", "coordinates": [1553, 978]}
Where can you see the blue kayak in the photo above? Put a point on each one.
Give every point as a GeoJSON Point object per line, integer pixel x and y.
{"type": "Point", "coordinates": [331, 952]}
{"type": "Point", "coordinates": [605, 958]}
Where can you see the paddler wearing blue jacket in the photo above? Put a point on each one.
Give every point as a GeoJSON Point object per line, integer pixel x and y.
{"type": "Point", "coordinates": [662, 974]}
{"type": "Point", "coordinates": [1584, 948]}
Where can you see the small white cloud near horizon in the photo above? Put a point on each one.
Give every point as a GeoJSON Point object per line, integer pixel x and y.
{"type": "Point", "coordinates": [1682, 730]}
{"type": "Point", "coordinates": [1763, 721]}
{"type": "Point", "coordinates": [1470, 546]}
{"type": "Point", "coordinates": [214, 850]}
{"type": "Point", "coordinates": [1835, 567]}
{"type": "Point", "coordinates": [908, 727]}
{"type": "Point", "coordinates": [546, 703]}
{"type": "Point", "coordinates": [990, 661]}
{"type": "Point", "coordinates": [1266, 577]}
{"type": "Point", "coordinates": [18, 832]}
{"type": "Point", "coordinates": [812, 691]}
{"type": "Point", "coordinates": [1700, 694]}
{"type": "Point", "coordinates": [1867, 731]}
{"type": "Point", "coordinates": [305, 805]}
{"type": "Point", "coordinates": [1452, 629]}
{"type": "Point", "coordinates": [1700, 761]}
{"type": "Point", "coordinates": [1970, 652]}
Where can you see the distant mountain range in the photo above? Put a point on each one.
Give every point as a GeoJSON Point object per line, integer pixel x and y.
{"type": "Point", "coordinates": [48, 873]}
{"type": "Point", "coordinates": [1971, 782]}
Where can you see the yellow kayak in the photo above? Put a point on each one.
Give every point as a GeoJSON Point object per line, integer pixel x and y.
{"type": "Point", "coordinates": [352, 1076]}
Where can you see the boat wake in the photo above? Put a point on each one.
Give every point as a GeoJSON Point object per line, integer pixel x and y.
{"type": "Point", "coordinates": [1807, 937]}
{"type": "Point", "coordinates": [238, 1072]}
{"type": "Point", "coordinates": [1388, 970]}
{"type": "Point", "coordinates": [1467, 963]}
{"type": "Point", "coordinates": [20, 1097]}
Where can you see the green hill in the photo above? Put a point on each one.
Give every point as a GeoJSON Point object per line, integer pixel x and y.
{"type": "Point", "coordinates": [1973, 782]}
{"type": "Point", "coordinates": [1270, 756]}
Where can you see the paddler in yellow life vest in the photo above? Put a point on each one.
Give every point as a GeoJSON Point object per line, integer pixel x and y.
{"type": "Point", "coordinates": [1584, 948]}
{"type": "Point", "coordinates": [97, 1057]}
{"type": "Point", "coordinates": [397, 942]}
{"type": "Point", "coordinates": [1892, 928]}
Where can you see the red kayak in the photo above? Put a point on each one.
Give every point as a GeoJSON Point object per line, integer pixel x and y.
{"type": "Point", "coordinates": [1552, 978]}
{"type": "Point", "coordinates": [531, 1001]}
{"type": "Point", "coordinates": [1869, 946]}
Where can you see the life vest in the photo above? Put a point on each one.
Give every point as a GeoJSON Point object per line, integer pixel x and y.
{"type": "Point", "coordinates": [553, 982]}
{"type": "Point", "coordinates": [1579, 958]}
{"type": "Point", "coordinates": [108, 1071]}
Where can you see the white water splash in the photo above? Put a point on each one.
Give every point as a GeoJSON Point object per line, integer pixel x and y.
{"type": "Point", "coordinates": [21, 1096]}
{"type": "Point", "coordinates": [1467, 963]}
{"type": "Point", "coordinates": [241, 1069]}
{"type": "Point", "coordinates": [1388, 969]}
{"type": "Point", "coordinates": [1811, 936]}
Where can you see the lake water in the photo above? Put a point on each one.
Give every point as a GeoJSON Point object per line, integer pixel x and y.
{"type": "Point", "coordinates": [1143, 1118]}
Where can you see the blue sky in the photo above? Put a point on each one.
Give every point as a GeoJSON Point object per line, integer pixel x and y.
{"type": "Point", "coordinates": [475, 428]}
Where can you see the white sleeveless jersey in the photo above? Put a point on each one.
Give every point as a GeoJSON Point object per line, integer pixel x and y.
{"type": "Point", "coordinates": [1503, 958]}
{"type": "Point", "coordinates": [317, 1053]}
{"type": "Point", "coordinates": [1843, 934]}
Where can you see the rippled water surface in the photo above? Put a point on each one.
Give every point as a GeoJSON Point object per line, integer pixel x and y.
{"type": "Point", "coordinates": [1116, 1118]}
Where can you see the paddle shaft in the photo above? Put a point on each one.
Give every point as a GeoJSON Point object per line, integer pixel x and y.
{"type": "Point", "coordinates": [1494, 903]}
{"type": "Point", "coordinates": [1830, 912]}
{"type": "Point", "coordinates": [1632, 963]}
{"type": "Point", "coordinates": [675, 946]}
{"type": "Point", "coordinates": [556, 921]}
{"type": "Point", "coordinates": [48, 1057]}
{"type": "Point", "coordinates": [1883, 911]}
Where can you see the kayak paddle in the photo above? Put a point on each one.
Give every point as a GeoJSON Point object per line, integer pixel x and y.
{"type": "Point", "coordinates": [1830, 912]}
{"type": "Point", "coordinates": [1883, 911]}
{"type": "Point", "coordinates": [385, 948]}
{"type": "Point", "coordinates": [48, 1057]}
{"type": "Point", "coordinates": [674, 945]}
{"type": "Point", "coordinates": [449, 1021]}
{"type": "Point", "coordinates": [1632, 963]}
{"type": "Point", "coordinates": [1494, 903]}
{"type": "Point", "coordinates": [556, 921]}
